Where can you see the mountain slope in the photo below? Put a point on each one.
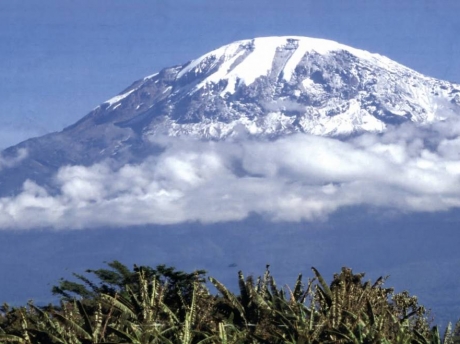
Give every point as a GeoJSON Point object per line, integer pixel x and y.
{"type": "Point", "coordinates": [264, 87]}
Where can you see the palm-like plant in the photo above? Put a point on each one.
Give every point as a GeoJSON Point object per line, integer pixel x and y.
{"type": "Point", "coordinates": [142, 314]}
{"type": "Point", "coordinates": [161, 305]}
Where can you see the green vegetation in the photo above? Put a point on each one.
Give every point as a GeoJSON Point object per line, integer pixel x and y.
{"type": "Point", "coordinates": [162, 305]}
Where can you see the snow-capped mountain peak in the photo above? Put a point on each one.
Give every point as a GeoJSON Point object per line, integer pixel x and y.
{"type": "Point", "coordinates": [257, 58]}
{"type": "Point", "coordinates": [279, 85]}
{"type": "Point", "coordinates": [265, 87]}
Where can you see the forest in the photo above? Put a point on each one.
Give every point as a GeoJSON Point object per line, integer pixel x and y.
{"type": "Point", "coordinates": [144, 305]}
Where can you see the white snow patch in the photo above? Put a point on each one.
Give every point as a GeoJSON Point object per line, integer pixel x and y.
{"type": "Point", "coordinates": [260, 60]}
{"type": "Point", "coordinates": [151, 76]}
{"type": "Point", "coordinates": [303, 47]}
{"type": "Point", "coordinates": [226, 50]}
{"type": "Point", "coordinates": [258, 63]}
{"type": "Point", "coordinates": [118, 98]}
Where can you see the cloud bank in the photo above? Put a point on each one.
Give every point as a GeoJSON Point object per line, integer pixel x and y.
{"type": "Point", "coordinates": [295, 178]}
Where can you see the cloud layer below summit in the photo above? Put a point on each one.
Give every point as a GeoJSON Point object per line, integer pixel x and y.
{"type": "Point", "coordinates": [295, 178]}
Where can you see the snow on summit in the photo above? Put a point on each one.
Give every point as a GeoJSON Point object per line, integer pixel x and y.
{"type": "Point", "coordinates": [257, 58]}
{"type": "Point", "coordinates": [271, 86]}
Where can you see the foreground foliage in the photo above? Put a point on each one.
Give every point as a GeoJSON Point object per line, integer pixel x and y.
{"type": "Point", "coordinates": [162, 305]}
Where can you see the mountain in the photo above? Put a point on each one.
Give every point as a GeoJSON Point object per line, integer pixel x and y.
{"type": "Point", "coordinates": [263, 87]}
{"type": "Point", "coordinates": [392, 205]}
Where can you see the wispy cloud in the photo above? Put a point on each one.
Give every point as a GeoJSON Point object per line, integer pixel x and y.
{"type": "Point", "coordinates": [11, 161]}
{"type": "Point", "coordinates": [299, 177]}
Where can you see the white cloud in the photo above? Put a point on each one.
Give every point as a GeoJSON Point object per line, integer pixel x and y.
{"type": "Point", "coordinates": [11, 161]}
{"type": "Point", "coordinates": [299, 177]}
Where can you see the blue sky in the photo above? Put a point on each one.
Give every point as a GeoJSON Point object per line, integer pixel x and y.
{"type": "Point", "coordinates": [60, 58]}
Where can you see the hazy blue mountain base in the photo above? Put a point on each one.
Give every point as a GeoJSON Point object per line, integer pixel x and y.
{"type": "Point", "coordinates": [419, 252]}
